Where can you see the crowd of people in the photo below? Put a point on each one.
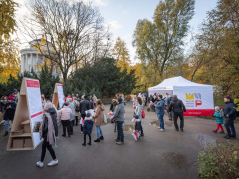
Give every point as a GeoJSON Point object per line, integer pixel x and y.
{"type": "Point", "coordinates": [175, 109]}
{"type": "Point", "coordinates": [77, 110]}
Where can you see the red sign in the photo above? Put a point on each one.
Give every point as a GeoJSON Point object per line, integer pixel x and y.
{"type": "Point", "coordinates": [199, 112]}
{"type": "Point", "coordinates": [33, 84]}
{"type": "Point", "coordinates": [59, 84]}
{"type": "Point", "coordinates": [37, 114]}
{"type": "Point", "coordinates": [198, 102]}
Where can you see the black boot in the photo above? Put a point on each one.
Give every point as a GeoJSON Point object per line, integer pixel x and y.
{"type": "Point", "coordinates": [89, 143]}
{"type": "Point", "coordinates": [84, 144]}
{"type": "Point", "coordinates": [97, 140]}
{"type": "Point", "coordinates": [102, 138]}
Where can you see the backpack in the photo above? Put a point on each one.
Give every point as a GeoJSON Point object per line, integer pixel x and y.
{"type": "Point", "coordinates": [143, 114]}
{"type": "Point", "coordinates": [77, 108]}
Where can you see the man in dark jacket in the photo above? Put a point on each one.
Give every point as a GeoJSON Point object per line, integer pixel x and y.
{"type": "Point", "coordinates": [178, 107]}
{"type": "Point", "coordinates": [84, 106]}
{"type": "Point", "coordinates": [167, 107]}
{"type": "Point", "coordinates": [230, 114]}
{"type": "Point", "coordinates": [10, 108]}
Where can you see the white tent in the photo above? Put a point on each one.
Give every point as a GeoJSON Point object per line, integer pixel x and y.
{"type": "Point", "coordinates": [197, 98]}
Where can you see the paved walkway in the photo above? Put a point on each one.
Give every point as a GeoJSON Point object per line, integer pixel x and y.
{"type": "Point", "coordinates": [168, 154]}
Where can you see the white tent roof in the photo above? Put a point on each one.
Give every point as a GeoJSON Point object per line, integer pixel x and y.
{"type": "Point", "coordinates": [169, 83]}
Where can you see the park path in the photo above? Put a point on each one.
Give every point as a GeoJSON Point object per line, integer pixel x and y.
{"type": "Point", "coordinates": [168, 154]}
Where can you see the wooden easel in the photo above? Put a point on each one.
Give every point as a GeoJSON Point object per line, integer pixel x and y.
{"type": "Point", "coordinates": [55, 99]}
{"type": "Point", "coordinates": [21, 134]}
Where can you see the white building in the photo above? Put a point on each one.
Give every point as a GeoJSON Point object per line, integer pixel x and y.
{"type": "Point", "coordinates": [30, 57]}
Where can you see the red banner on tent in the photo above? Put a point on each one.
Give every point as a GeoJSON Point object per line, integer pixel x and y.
{"type": "Point", "coordinates": [199, 112]}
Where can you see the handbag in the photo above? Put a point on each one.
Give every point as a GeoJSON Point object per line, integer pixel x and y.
{"type": "Point", "coordinates": [143, 114]}
{"type": "Point", "coordinates": [105, 119]}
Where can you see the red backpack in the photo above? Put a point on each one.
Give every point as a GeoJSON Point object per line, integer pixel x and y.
{"type": "Point", "coordinates": [143, 114]}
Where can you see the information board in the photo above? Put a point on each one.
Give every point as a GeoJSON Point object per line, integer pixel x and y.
{"type": "Point", "coordinates": [60, 94]}
{"type": "Point", "coordinates": [35, 107]}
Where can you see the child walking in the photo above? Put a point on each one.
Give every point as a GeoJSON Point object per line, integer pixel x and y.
{"type": "Point", "coordinates": [219, 119]}
{"type": "Point", "coordinates": [88, 124]}
{"type": "Point", "coordinates": [138, 127]}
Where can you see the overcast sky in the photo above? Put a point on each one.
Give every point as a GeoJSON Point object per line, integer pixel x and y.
{"type": "Point", "coordinates": [122, 15]}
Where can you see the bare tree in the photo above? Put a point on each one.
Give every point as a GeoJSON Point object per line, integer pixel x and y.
{"type": "Point", "coordinates": [68, 30]}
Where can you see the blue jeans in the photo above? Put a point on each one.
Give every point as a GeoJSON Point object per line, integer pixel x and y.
{"type": "Point", "coordinates": [170, 115]}
{"type": "Point", "coordinates": [229, 124]}
{"type": "Point", "coordinates": [99, 132]}
{"type": "Point", "coordinates": [161, 121]}
{"type": "Point", "coordinates": [120, 136]}
{"type": "Point", "coordinates": [6, 124]}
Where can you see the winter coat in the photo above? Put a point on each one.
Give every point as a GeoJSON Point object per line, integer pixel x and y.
{"type": "Point", "coordinates": [9, 113]}
{"type": "Point", "coordinates": [138, 125]}
{"type": "Point", "coordinates": [76, 103]}
{"type": "Point", "coordinates": [177, 105]}
{"type": "Point", "coordinates": [68, 98]}
{"type": "Point", "coordinates": [94, 99]}
{"type": "Point", "coordinates": [114, 104]}
{"type": "Point", "coordinates": [138, 110]}
{"type": "Point", "coordinates": [84, 106]}
{"type": "Point", "coordinates": [159, 108]}
{"type": "Point", "coordinates": [230, 110]}
{"type": "Point", "coordinates": [135, 103]}
{"type": "Point", "coordinates": [219, 118]}
{"type": "Point", "coordinates": [51, 127]}
{"type": "Point", "coordinates": [88, 124]}
{"type": "Point", "coordinates": [65, 113]}
{"type": "Point", "coordinates": [168, 103]}
{"type": "Point", "coordinates": [3, 104]}
{"type": "Point", "coordinates": [92, 104]}
{"type": "Point", "coordinates": [119, 113]}
{"type": "Point", "coordinates": [71, 106]}
{"type": "Point", "coordinates": [99, 115]}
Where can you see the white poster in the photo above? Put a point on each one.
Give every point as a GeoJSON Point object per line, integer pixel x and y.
{"type": "Point", "coordinates": [196, 97]}
{"type": "Point", "coordinates": [60, 95]}
{"type": "Point", "coordinates": [35, 107]}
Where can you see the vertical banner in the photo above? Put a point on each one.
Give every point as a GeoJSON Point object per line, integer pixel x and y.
{"type": "Point", "coordinates": [60, 95]}
{"type": "Point", "coordinates": [35, 107]}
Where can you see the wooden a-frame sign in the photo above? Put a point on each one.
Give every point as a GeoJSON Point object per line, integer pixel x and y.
{"type": "Point", "coordinates": [24, 134]}
{"type": "Point", "coordinates": [58, 96]}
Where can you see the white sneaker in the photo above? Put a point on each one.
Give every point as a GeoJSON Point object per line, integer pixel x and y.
{"type": "Point", "coordinates": [52, 163]}
{"type": "Point", "coordinates": [159, 127]}
{"type": "Point", "coordinates": [161, 130]}
{"type": "Point", "coordinates": [81, 132]}
{"type": "Point", "coordinates": [40, 164]}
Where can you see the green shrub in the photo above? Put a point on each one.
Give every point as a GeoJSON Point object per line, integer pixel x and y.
{"type": "Point", "coordinates": [219, 161]}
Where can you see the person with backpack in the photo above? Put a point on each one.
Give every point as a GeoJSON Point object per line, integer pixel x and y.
{"type": "Point", "coordinates": [48, 131]}
{"type": "Point", "coordinates": [230, 113]}
{"type": "Point", "coordinates": [139, 110]}
{"type": "Point", "coordinates": [77, 110]}
{"type": "Point", "coordinates": [177, 107]}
